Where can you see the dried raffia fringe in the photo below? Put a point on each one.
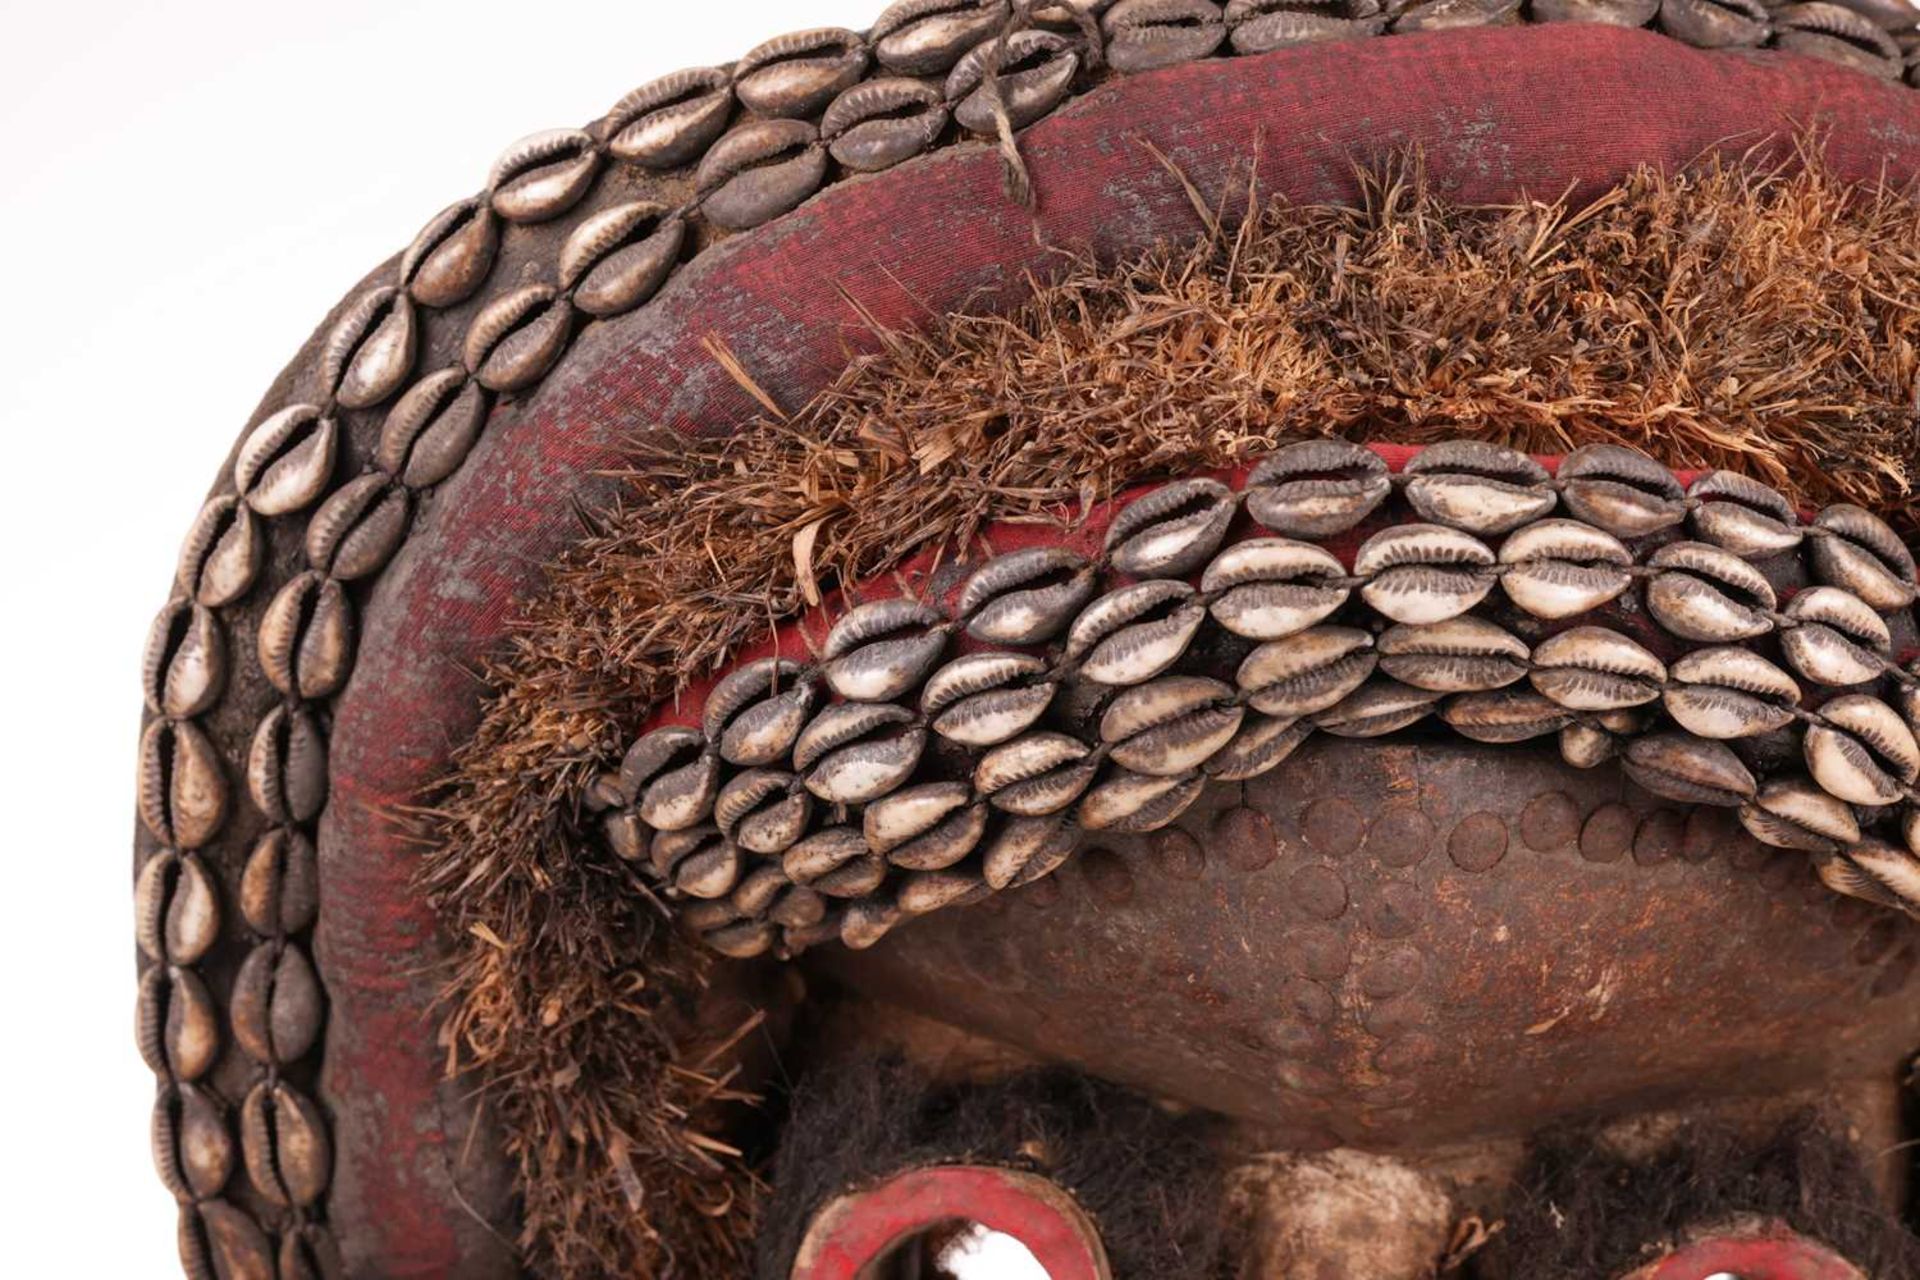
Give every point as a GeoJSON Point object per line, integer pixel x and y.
{"type": "Point", "coordinates": [1734, 316]}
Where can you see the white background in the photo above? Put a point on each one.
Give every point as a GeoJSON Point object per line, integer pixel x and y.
{"type": "Point", "coordinates": [185, 189]}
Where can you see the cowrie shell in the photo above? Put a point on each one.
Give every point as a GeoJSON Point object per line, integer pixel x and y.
{"type": "Point", "coordinates": [1861, 751]}
{"type": "Point", "coordinates": [1621, 490]}
{"type": "Point", "coordinates": [1704, 593]}
{"type": "Point", "coordinates": [284, 1144]}
{"type": "Point", "coordinates": [287, 765]}
{"type": "Point", "coordinates": [952, 839]}
{"type": "Point", "coordinates": [883, 649]}
{"type": "Point", "coordinates": [1376, 708]}
{"type": "Point", "coordinates": [926, 891]}
{"type": "Point", "coordinates": [1839, 641]}
{"type": "Point", "coordinates": [1118, 640]}
{"type": "Point", "coordinates": [670, 121]}
{"type": "Point", "coordinates": [369, 352]}
{"type": "Point", "coordinates": [182, 790]}
{"type": "Point", "coordinates": [1586, 746]}
{"type": "Point", "coordinates": [893, 820]}
{"type": "Point", "coordinates": [1742, 515]}
{"type": "Point", "coordinates": [1171, 725]}
{"type": "Point", "coordinates": [697, 861]}
{"type": "Point", "coordinates": [276, 1007]}
{"type": "Point", "coordinates": [1317, 488]}
{"type": "Point", "coordinates": [1557, 569]}
{"type": "Point", "coordinates": [431, 427]}
{"type": "Point", "coordinates": [1145, 35]}
{"type": "Point", "coordinates": [515, 338]}
{"type": "Point", "coordinates": [865, 923]}
{"type": "Point", "coordinates": [1857, 552]}
{"type": "Point", "coordinates": [866, 770]}
{"type": "Point", "coordinates": [1505, 715]}
{"type": "Point", "coordinates": [1308, 672]}
{"type": "Point", "coordinates": [287, 461]}
{"type": "Point", "coordinates": [1039, 773]}
{"type": "Point", "coordinates": [306, 638]}
{"type": "Point", "coordinates": [1482, 488]}
{"type": "Point", "coordinates": [1025, 597]}
{"type": "Point", "coordinates": [1262, 744]}
{"type": "Point", "coordinates": [1793, 813]}
{"type": "Point", "coordinates": [756, 712]}
{"type": "Point", "coordinates": [1025, 849]}
{"type": "Point", "coordinates": [1876, 871]}
{"type": "Point", "coordinates": [1170, 531]}
{"type": "Point", "coordinates": [758, 171]}
{"type": "Point", "coordinates": [543, 175]}
{"type": "Point", "coordinates": [184, 667]}
{"type": "Point", "coordinates": [1035, 72]}
{"type": "Point", "coordinates": [823, 852]}
{"type": "Point", "coordinates": [1422, 573]}
{"type": "Point", "coordinates": [762, 811]}
{"type": "Point", "coordinates": [1460, 655]}
{"type": "Point", "coordinates": [926, 37]}
{"type": "Point", "coordinates": [877, 124]}
{"type": "Point", "coordinates": [799, 73]}
{"type": "Point", "coordinates": [1730, 692]}
{"type": "Point", "coordinates": [1594, 669]}
{"type": "Point", "coordinates": [1129, 801]}
{"type": "Point", "coordinates": [450, 257]}
{"type": "Point", "coordinates": [1269, 588]}
{"type": "Point", "coordinates": [1691, 770]}
{"type": "Point", "coordinates": [619, 257]}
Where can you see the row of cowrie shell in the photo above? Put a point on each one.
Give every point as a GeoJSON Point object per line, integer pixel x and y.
{"type": "Point", "coordinates": [1162, 734]}
{"type": "Point", "coordinates": [612, 261]}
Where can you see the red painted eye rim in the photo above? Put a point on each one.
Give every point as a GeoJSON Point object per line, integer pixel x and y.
{"type": "Point", "coordinates": [855, 1230]}
{"type": "Point", "coordinates": [1775, 1253]}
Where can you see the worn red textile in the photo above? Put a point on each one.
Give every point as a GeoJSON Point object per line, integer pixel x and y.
{"type": "Point", "coordinates": [1499, 113]}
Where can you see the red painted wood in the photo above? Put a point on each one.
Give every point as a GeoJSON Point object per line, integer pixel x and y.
{"type": "Point", "coordinates": [858, 1229]}
{"type": "Point", "coordinates": [1494, 113]}
{"type": "Point", "coordinates": [1774, 1254]}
